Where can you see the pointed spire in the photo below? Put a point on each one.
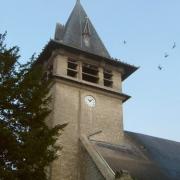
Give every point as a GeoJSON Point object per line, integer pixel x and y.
{"type": "Point", "coordinates": [80, 33]}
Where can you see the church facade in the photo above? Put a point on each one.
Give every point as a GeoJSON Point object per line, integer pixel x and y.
{"type": "Point", "coordinates": [87, 95]}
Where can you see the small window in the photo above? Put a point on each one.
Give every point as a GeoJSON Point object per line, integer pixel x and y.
{"type": "Point", "coordinates": [50, 71]}
{"type": "Point", "coordinates": [72, 68]}
{"type": "Point", "coordinates": [48, 74]}
{"type": "Point", "coordinates": [108, 78]}
{"type": "Point", "coordinates": [45, 76]}
{"type": "Point", "coordinates": [90, 73]}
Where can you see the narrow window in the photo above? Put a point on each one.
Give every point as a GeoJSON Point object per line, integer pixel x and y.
{"type": "Point", "coordinates": [90, 73]}
{"type": "Point", "coordinates": [50, 71]}
{"type": "Point", "coordinates": [108, 78]}
{"type": "Point", "coordinates": [45, 76]}
{"type": "Point", "coordinates": [72, 68]}
{"type": "Point", "coordinates": [48, 74]}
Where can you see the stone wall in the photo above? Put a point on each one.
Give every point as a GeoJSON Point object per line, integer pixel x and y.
{"type": "Point", "coordinates": [69, 107]}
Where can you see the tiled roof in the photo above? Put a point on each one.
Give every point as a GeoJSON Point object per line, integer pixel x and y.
{"type": "Point", "coordinates": [164, 153]}
{"type": "Point", "coordinates": [80, 33]}
{"type": "Point", "coordinates": [144, 157]}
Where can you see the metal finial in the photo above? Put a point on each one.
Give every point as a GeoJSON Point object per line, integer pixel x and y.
{"type": "Point", "coordinates": [78, 1]}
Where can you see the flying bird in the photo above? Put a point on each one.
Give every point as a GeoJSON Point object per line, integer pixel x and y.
{"type": "Point", "coordinates": [174, 45]}
{"type": "Point", "coordinates": [166, 55]}
{"type": "Point", "coordinates": [160, 67]}
{"type": "Point", "coordinates": [124, 42]}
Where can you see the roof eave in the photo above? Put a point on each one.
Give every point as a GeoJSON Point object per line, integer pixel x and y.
{"type": "Point", "coordinates": [53, 44]}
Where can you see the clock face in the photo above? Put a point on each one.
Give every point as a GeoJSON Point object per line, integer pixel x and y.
{"type": "Point", "coordinates": [90, 101]}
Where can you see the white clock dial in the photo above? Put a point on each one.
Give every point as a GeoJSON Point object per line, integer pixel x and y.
{"type": "Point", "coordinates": [90, 101]}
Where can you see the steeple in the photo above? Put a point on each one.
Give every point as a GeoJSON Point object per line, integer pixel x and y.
{"type": "Point", "coordinates": [80, 33]}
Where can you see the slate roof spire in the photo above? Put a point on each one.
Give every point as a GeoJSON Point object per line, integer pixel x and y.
{"type": "Point", "coordinates": [80, 33]}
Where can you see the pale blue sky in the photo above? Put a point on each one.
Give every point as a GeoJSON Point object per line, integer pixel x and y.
{"type": "Point", "coordinates": [149, 27]}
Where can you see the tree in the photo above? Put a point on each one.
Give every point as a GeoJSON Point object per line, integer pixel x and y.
{"type": "Point", "coordinates": [27, 144]}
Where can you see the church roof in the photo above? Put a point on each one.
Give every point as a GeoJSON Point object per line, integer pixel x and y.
{"type": "Point", "coordinates": [163, 152]}
{"type": "Point", "coordinates": [80, 33]}
{"type": "Point", "coordinates": [80, 37]}
{"type": "Point", "coordinates": [144, 157]}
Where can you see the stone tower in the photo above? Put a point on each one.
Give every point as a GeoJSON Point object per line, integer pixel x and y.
{"type": "Point", "coordinates": [87, 91]}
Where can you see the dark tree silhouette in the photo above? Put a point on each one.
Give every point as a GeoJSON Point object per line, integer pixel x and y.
{"type": "Point", "coordinates": [27, 144]}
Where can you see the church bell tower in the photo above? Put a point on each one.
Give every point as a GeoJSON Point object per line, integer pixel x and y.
{"type": "Point", "coordinates": [87, 90]}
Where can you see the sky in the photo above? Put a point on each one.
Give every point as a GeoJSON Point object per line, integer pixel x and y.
{"type": "Point", "coordinates": [150, 29]}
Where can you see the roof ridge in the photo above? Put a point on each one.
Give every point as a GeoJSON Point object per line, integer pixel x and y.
{"type": "Point", "coordinates": [151, 136]}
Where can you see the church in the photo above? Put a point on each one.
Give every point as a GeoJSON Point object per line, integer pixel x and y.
{"type": "Point", "coordinates": [87, 95]}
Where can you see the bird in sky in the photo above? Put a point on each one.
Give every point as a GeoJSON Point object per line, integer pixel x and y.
{"type": "Point", "coordinates": [174, 45]}
{"type": "Point", "coordinates": [166, 55]}
{"type": "Point", "coordinates": [124, 42]}
{"type": "Point", "coordinates": [160, 67]}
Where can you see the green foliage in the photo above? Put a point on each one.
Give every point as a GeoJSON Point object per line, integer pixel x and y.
{"type": "Point", "coordinates": [27, 144]}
